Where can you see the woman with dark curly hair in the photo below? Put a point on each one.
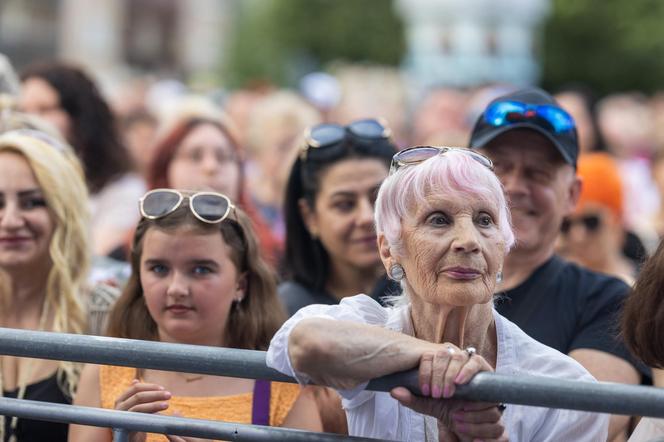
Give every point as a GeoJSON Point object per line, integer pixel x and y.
{"type": "Point", "coordinates": [68, 98]}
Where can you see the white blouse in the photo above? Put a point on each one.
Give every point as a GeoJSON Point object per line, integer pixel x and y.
{"type": "Point", "coordinates": [376, 414]}
{"type": "Point", "coordinates": [648, 430]}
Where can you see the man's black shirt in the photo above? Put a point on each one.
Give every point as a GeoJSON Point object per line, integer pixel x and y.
{"type": "Point", "coordinates": [568, 307]}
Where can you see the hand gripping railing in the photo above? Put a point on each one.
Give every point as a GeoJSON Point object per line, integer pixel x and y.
{"type": "Point", "coordinates": [491, 387]}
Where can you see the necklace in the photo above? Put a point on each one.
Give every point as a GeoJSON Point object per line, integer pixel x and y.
{"type": "Point", "coordinates": [189, 379]}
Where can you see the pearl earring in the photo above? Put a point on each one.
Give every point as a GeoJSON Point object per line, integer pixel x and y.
{"type": "Point", "coordinates": [396, 272]}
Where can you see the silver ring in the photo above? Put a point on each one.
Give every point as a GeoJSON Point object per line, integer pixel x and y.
{"type": "Point", "coordinates": [470, 351]}
{"type": "Point", "coordinates": [450, 350]}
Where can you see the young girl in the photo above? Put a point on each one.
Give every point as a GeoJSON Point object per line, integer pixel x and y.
{"type": "Point", "coordinates": [197, 278]}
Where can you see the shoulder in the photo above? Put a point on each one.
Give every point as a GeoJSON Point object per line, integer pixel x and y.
{"type": "Point", "coordinates": [592, 283]}
{"type": "Point", "coordinates": [573, 282]}
{"type": "Point", "coordinates": [519, 353]}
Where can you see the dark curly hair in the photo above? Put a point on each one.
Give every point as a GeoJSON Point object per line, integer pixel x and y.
{"type": "Point", "coordinates": [95, 135]}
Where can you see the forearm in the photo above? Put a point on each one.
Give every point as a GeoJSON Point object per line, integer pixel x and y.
{"type": "Point", "coordinates": [330, 351]}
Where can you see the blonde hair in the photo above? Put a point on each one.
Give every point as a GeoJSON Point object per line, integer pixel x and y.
{"type": "Point", "coordinates": [60, 177]}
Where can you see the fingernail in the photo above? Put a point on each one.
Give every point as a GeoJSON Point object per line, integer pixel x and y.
{"type": "Point", "coordinates": [167, 394]}
{"type": "Point", "coordinates": [161, 388]}
{"type": "Point", "coordinates": [436, 392]}
{"type": "Point", "coordinates": [447, 393]}
{"type": "Point", "coordinates": [426, 390]}
{"type": "Point", "coordinates": [164, 405]}
{"type": "Point", "coordinates": [459, 379]}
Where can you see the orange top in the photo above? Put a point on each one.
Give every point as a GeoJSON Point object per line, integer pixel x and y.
{"type": "Point", "coordinates": [236, 408]}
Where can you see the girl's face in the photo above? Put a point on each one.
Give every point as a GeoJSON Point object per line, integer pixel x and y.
{"type": "Point", "coordinates": [343, 216]}
{"type": "Point", "coordinates": [189, 283]}
{"type": "Point", "coordinates": [26, 225]}
{"type": "Point", "coordinates": [206, 160]}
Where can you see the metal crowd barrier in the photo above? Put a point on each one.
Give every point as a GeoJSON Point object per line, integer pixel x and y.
{"type": "Point", "coordinates": [538, 391]}
{"type": "Point", "coordinates": [155, 423]}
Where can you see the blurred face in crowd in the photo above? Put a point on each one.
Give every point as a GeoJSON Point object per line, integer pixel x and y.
{"type": "Point", "coordinates": [26, 225]}
{"type": "Point", "coordinates": [140, 138]}
{"type": "Point", "coordinates": [591, 235]}
{"type": "Point", "coordinates": [278, 151]}
{"type": "Point", "coordinates": [540, 187]}
{"type": "Point", "coordinates": [206, 160]}
{"type": "Point", "coordinates": [576, 106]}
{"type": "Point", "coordinates": [41, 99]}
{"type": "Point", "coordinates": [342, 216]}
{"type": "Point", "coordinates": [189, 283]}
{"type": "Point", "coordinates": [453, 249]}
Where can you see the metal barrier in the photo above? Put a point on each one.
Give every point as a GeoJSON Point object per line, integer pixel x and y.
{"type": "Point", "coordinates": [491, 387]}
{"type": "Point", "coordinates": [155, 423]}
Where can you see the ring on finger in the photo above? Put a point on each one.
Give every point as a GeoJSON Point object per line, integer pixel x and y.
{"type": "Point", "coordinates": [501, 407]}
{"type": "Point", "coordinates": [470, 351]}
{"type": "Point", "coordinates": [450, 350]}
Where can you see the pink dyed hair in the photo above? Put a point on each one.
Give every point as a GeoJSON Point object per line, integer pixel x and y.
{"type": "Point", "coordinates": [447, 173]}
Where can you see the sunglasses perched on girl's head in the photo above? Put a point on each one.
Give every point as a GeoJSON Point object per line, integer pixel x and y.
{"type": "Point", "coordinates": [209, 207]}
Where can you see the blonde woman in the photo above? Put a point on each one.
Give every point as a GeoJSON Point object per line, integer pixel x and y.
{"type": "Point", "coordinates": [43, 263]}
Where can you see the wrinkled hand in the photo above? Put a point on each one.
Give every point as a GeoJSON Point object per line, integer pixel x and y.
{"type": "Point", "coordinates": [142, 397]}
{"type": "Point", "coordinates": [440, 371]}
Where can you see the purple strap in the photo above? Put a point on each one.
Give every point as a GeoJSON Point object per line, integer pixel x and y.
{"type": "Point", "coordinates": [260, 409]}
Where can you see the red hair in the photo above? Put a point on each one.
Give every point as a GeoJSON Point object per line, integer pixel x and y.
{"type": "Point", "coordinates": [165, 151]}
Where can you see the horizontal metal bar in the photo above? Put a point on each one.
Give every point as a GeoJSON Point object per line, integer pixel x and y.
{"type": "Point", "coordinates": [134, 353]}
{"type": "Point", "coordinates": [540, 391]}
{"type": "Point", "coordinates": [525, 390]}
{"type": "Point", "coordinates": [156, 423]}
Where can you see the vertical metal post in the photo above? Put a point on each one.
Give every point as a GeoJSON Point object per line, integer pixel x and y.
{"type": "Point", "coordinates": [120, 435]}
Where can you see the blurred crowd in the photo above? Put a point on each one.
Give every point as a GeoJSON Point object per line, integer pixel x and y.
{"type": "Point", "coordinates": [313, 238]}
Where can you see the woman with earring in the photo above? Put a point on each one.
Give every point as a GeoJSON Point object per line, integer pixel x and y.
{"type": "Point", "coordinates": [443, 232]}
{"type": "Point", "coordinates": [331, 247]}
{"type": "Point", "coordinates": [197, 278]}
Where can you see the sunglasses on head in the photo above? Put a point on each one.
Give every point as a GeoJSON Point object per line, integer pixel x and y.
{"type": "Point", "coordinates": [505, 113]}
{"type": "Point", "coordinates": [208, 207]}
{"type": "Point", "coordinates": [591, 223]}
{"type": "Point", "coordinates": [326, 135]}
{"type": "Point", "coordinates": [43, 137]}
{"type": "Point", "coordinates": [418, 154]}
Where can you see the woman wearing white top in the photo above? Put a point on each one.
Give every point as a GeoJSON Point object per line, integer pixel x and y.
{"type": "Point", "coordinates": [443, 231]}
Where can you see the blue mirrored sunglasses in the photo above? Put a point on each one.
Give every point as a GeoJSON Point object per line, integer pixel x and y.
{"type": "Point", "coordinates": [503, 113]}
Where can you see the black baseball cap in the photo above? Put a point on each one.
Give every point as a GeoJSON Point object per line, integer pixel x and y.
{"type": "Point", "coordinates": [535, 109]}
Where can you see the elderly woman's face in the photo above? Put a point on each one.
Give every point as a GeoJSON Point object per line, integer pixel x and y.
{"type": "Point", "coordinates": [453, 249]}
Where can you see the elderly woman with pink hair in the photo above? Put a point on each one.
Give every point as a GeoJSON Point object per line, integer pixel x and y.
{"type": "Point", "coordinates": [443, 231]}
